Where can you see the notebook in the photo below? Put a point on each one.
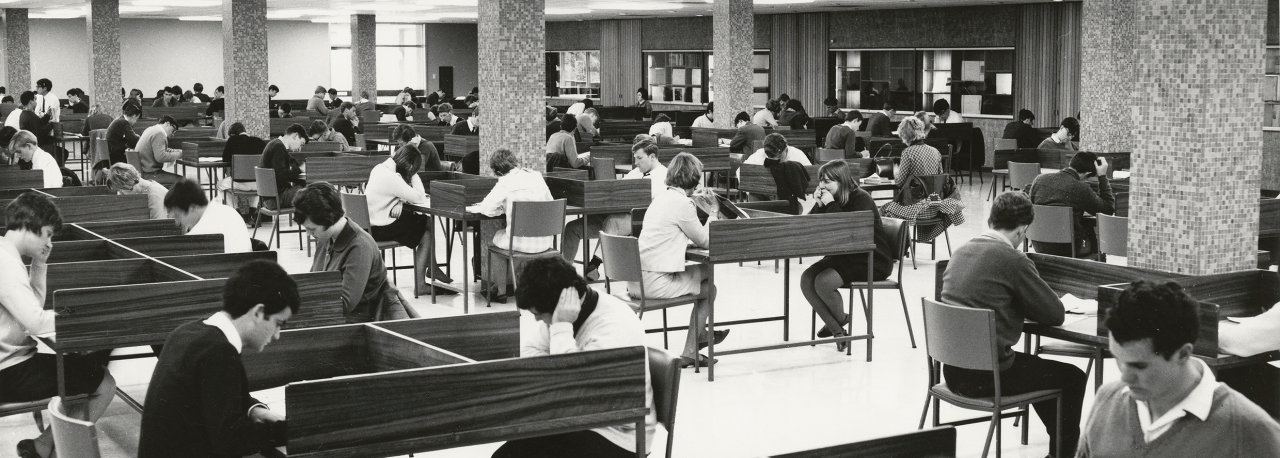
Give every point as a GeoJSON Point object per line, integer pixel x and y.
{"type": "Point", "coordinates": [729, 210]}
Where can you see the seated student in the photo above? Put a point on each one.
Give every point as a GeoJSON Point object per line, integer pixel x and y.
{"type": "Point", "coordinates": [124, 179]}
{"type": "Point", "coordinates": [990, 272]}
{"type": "Point", "coordinates": [765, 117]}
{"type": "Point", "coordinates": [748, 133]}
{"type": "Point", "coordinates": [272, 91]}
{"type": "Point", "coordinates": [283, 110]}
{"type": "Point", "coordinates": [838, 191]}
{"type": "Point", "coordinates": [790, 178]}
{"type": "Point", "coordinates": [553, 121]}
{"type": "Point", "coordinates": [334, 101]}
{"type": "Point", "coordinates": [6, 136]}
{"type": "Point", "coordinates": [587, 130]}
{"type": "Point", "coordinates": [1067, 188]}
{"type": "Point", "coordinates": [135, 96]}
{"type": "Point", "coordinates": [192, 211]}
{"type": "Point", "coordinates": [199, 93]}
{"type": "Point", "coordinates": [319, 132]}
{"type": "Point", "coordinates": [661, 125]}
{"type": "Point", "coordinates": [198, 402]}
{"type": "Point", "coordinates": [392, 184]}
{"type": "Point", "coordinates": [778, 143]}
{"type": "Point", "coordinates": [472, 97]}
{"type": "Point", "coordinates": [445, 115]}
{"type": "Point", "coordinates": [76, 97]}
{"type": "Point", "coordinates": [562, 150]}
{"type": "Point", "coordinates": [364, 104]}
{"type": "Point", "coordinates": [881, 124]}
{"type": "Point", "coordinates": [707, 120]}
{"type": "Point", "coordinates": [471, 126]}
{"type": "Point", "coordinates": [1022, 129]}
{"type": "Point", "coordinates": [945, 115]}
{"type": "Point", "coordinates": [96, 120]}
{"type": "Point", "coordinates": [347, 123]}
{"type": "Point", "coordinates": [25, 375]}
{"type": "Point", "coordinates": [794, 115]}
{"type": "Point", "coordinates": [218, 104]}
{"type": "Point", "coordinates": [579, 107]}
{"type": "Point", "coordinates": [404, 112]}
{"type": "Point", "coordinates": [154, 153]}
{"type": "Point", "coordinates": [831, 108]}
{"type": "Point", "coordinates": [643, 101]}
{"type": "Point", "coordinates": [167, 97]}
{"type": "Point", "coordinates": [1168, 403]}
{"type": "Point", "coordinates": [120, 135]}
{"type": "Point", "coordinates": [1061, 140]}
{"type": "Point", "coordinates": [644, 156]}
{"type": "Point", "coordinates": [23, 145]}
{"type": "Point", "coordinates": [342, 246]}
{"type": "Point", "coordinates": [515, 184]}
{"type": "Point", "coordinates": [316, 102]}
{"type": "Point", "coordinates": [406, 136]}
{"type": "Point", "coordinates": [844, 136]}
{"type": "Point", "coordinates": [406, 95]}
{"type": "Point", "coordinates": [670, 224]}
{"type": "Point", "coordinates": [240, 142]}
{"type": "Point", "coordinates": [569, 317]}
{"type": "Point", "coordinates": [288, 173]}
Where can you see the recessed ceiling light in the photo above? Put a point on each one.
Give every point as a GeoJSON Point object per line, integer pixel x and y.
{"type": "Point", "coordinates": [555, 11]}
{"type": "Point", "coordinates": [140, 9]}
{"type": "Point", "coordinates": [634, 6]}
{"type": "Point", "coordinates": [448, 2]}
{"type": "Point", "coordinates": [182, 4]}
{"type": "Point", "coordinates": [332, 20]}
{"type": "Point", "coordinates": [780, 2]}
{"type": "Point", "coordinates": [201, 18]}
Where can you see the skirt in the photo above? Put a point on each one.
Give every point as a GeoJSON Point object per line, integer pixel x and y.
{"type": "Point", "coordinates": [406, 230]}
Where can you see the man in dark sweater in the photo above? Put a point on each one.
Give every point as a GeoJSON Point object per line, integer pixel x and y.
{"type": "Point", "coordinates": [1068, 188]}
{"type": "Point", "coordinates": [990, 273]}
{"type": "Point", "coordinates": [346, 123]}
{"type": "Point", "coordinates": [881, 124]}
{"type": "Point", "coordinates": [218, 104]}
{"type": "Point", "coordinates": [120, 134]}
{"type": "Point", "coordinates": [1022, 130]}
{"type": "Point", "coordinates": [747, 134]}
{"type": "Point", "coordinates": [288, 173]}
{"type": "Point", "coordinates": [198, 403]}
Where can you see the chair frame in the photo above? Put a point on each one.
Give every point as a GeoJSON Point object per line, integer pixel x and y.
{"type": "Point", "coordinates": [1071, 230]}
{"type": "Point", "coordinates": [360, 216]}
{"type": "Point", "coordinates": [666, 414]}
{"type": "Point", "coordinates": [511, 254]}
{"type": "Point", "coordinates": [614, 261]}
{"type": "Point", "coordinates": [32, 407]}
{"type": "Point", "coordinates": [933, 244]}
{"type": "Point", "coordinates": [900, 237]}
{"type": "Point", "coordinates": [999, 404]}
{"type": "Point", "coordinates": [260, 174]}
{"type": "Point", "coordinates": [1001, 145]}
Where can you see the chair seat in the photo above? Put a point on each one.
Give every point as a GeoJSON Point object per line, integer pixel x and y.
{"type": "Point", "coordinates": [1000, 171]}
{"type": "Point", "coordinates": [14, 408]}
{"type": "Point", "coordinates": [276, 212]}
{"type": "Point", "coordinates": [940, 390]}
{"type": "Point", "coordinates": [1071, 349]}
{"type": "Point", "coordinates": [878, 284]}
{"type": "Point", "coordinates": [656, 304]}
{"type": "Point", "coordinates": [508, 253]}
{"type": "Point", "coordinates": [389, 244]}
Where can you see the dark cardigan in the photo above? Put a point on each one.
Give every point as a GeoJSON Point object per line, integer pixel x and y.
{"type": "Point", "coordinates": [792, 181]}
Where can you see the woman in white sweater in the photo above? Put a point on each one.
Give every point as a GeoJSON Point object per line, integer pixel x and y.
{"type": "Point", "coordinates": [391, 184]}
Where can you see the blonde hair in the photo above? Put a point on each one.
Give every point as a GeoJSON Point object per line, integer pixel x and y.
{"type": "Point", "coordinates": [122, 177]}
{"type": "Point", "coordinates": [22, 138]}
{"type": "Point", "coordinates": [684, 172]}
{"type": "Point", "coordinates": [912, 130]}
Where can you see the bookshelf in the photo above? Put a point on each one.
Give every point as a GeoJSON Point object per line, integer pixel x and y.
{"type": "Point", "coordinates": [573, 73]}
{"type": "Point", "coordinates": [686, 76]}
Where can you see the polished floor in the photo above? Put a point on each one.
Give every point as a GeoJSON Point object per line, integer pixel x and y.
{"type": "Point", "coordinates": [760, 403]}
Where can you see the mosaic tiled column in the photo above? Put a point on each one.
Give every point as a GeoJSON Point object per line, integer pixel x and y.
{"type": "Point", "coordinates": [1107, 77]}
{"type": "Point", "coordinates": [17, 33]}
{"type": "Point", "coordinates": [103, 23]}
{"type": "Point", "coordinates": [733, 29]}
{"type": "Point", "coordinates": [364, 55]}
{"type": "Point", "coordinates": [512, 80]}
{"type": "Point", "coordinates": [244, 63]}
{"type": "Point", "coordinates": [1198, 148]}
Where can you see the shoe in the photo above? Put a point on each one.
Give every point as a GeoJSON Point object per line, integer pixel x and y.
{"type": "Point", "coordinates": [718, 336]}
{"type": "Point", "coordinates": [440, 276]}
{"type": "Point", "coordinates": [426, 291]}
{"type": "Point", "coordinates": [27, 449]}
{"type": "Point", "coordinates": [593, 268]}
{"type": "Point", "coordinates": [703, 361]}
{"type": "Point", "coordinates": [842, 346]}
{"type": "Point", "coordinates": [493, 297]}
{"type": "Point", "coordinates": [824, 332]}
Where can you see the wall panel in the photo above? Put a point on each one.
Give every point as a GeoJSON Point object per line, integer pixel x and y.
{"type": "Point", "coordinates": [1047, 61]}
{"type": "Point", "coordinates": [959, 27]}
{"type": "Point", "coordinates": [684, 33]}
{"type": "Point", "coordinates": [573, 35]}
{"type": "Point", "coordinates": [621, 62]}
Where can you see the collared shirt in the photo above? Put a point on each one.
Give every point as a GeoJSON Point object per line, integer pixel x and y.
{"type": "Point", "coordinates": [221, 219]}
{"type": "Point", "coordinates": [365, 289]}
{"type": "Point", "coordinates": [48, 166]}
{"type": "Point", "coordinates": [669, 225]}
{"type": "Point", "coordinates": [222, 321]}
{"type": "Point", "coordinates": [520, 184]}
{"type": "Point", "coordinates": [703, 121]}
{"type": "Point", "coordinates": [657, 179]}
{"type": "Point", "coordinates": [49, 103]}
{"type": "Point", "coordinates": [996, 235]}
{"type": "Point", "coordinates": [1198, 403]}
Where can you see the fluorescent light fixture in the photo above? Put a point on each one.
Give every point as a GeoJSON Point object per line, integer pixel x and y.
{"type": "Point", "coordinates": [332, 20]}
{"type": "Point", "coordinates": [283, 14]}
{"type": "Point", "coordinates": [201, 18]}
{"type": "Point", "coordinates": [140, 9]}
{"type": "Point", "coordinates": [634, 6]}
{"type": "Point", "coordinates": [178, 4]}
{"type": "Point", "coordinates": [780, 2]}
{"type": "Point", "coordinates": [448, 2]}
{"type": "Point", "coordinates": [66, 13]}
{"type": "Point", "coordinates": [555, 11]}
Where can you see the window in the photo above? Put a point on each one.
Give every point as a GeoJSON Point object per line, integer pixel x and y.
{"type": "Point", "coordinates": [401, 54]}
{"type": "Point", "coordinates": [576, 74]}
{"type": "Point", "coordinates": [981, 80]}
{"type": "Point", "coordinates": [1271, 88]}
{"type": "Point", "coordinates": [973, 81]}
{"type": "Point", "coordinates": [685, 76]}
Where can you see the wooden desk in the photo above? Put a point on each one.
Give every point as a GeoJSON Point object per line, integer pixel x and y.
{"type": "Point", "coordinates": [929, 443]}
{"type": "Point", "coordinates": [449, 201]}
{"type": "Point", "coordinates": [757, 179]}
{"type": "Point", "coordinates": [193, 151]}
{"type": "Point", "coordinates": [316, 146]}
{"type": "Point", "coordinates": [457, 146]}
{"type": "Point", "coordinates": [11, 177]}
{"type": "Point", "coordinates": [600, 197]}
{"type": "Point", "coordinates": [343, 170]}
{"type": "Point", "coordinates": [412, 393]}
{"type": "Point", "coordinates": [77, 209]}
{"type": "Point", "coordinates": [756, 239]}
{"type": "Point", "coordinates": [625, 131]}
{"type": "Point", "coordinates": [704, 137]}
{"type": "Point", "coordinates": [279, 125]}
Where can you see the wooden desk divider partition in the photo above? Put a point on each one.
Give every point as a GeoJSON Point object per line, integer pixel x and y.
{"type": "Point", "coordinates": [572, 174]}
{"type": "Point", "coordinates": [714, 159]}
{"type": "Point", "coordinates": [279, 125]}
{"type": "Point", "coordinates": [928, 443]}
{"type": "Point", "coordinates": [1269, 226]}
{"type": "Point", "coordinates": [123, 229]}
{"type": "Point", "coordinates": [428, 177]}
{"type": "Point", "coordinates": [342, 171]}
{"type": "Point", "coordinates": [754, 239]}
{"type": "Point", "coordinates": [11, 177]}
{"type": "Point", "coordinates": [804, 140]}
{"type": "Point", "coordinates": [457, 146]}
{"type": "Point", "coordinates": [455, 195]}
{"type": "Point", "coordinates": [392, 388]}
{"type": "Point", "coordinates": [432, 133]}
{"type": "Point", "coordinates": [623, 130]}
{"type": "Point", "coordinates": [710, 138]}
{"type": "Point", "coordinates": [109, 207]}
{"type": "Point", "coordinates": [193, 151]}
{"type": "Point", "coordinates": [303, 156]}
{"type": "Point", "coordinates": [590, 194]}
{"type": "Point", "coordinates": [620, 153]}
{"type": "Point", "coordinates": [757, 179]}
{"type": "Point", "coordinates": [78, 191]}
{"type": "Point", "coordinates": [321, 146]}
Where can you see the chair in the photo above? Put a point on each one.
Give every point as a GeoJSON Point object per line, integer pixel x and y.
{"type": "Point", "coordinates": [1113, 235]}
{"type": "Point", "coordinates": [932, 184]}
{"type": "Point", "coordinates": [603, 169]}
{"type": "Point", "coordinates": [637, 221]}
{"type": "Point", "coordinates": [71, 436]}
{"type": "Point", "coordinates": [830, 154]}
{"type": "Point", "coordinates": [1052, 224]}
{"type": "Point", "coordinates": [1022, 174]}
{"type": "Point", "coordinates": [266, 179]}
{"type": "Point", "coordinates": [966, 338]}
{"type": "Point", "coordinates": [757, 145]}
{"type": "Point", "coordinates": [19, 408]}
{"type": "Point", "coordinates": [735, 163]}
{"type": "Point", "coordinates": [131, 157]}
{"type": "Point", "coordinates": [357, 208]}
{"type": "Point", "coordinates": [622, 262]}
{"type": "Point", "coordinates": [360, 142]}
{"type": "Point", "coordinates": [929, 443]}
{"type": "Point", "coordinates": [1002, 144]}
{"type": "Point", "coordinates": [897, 230]}
{"type": "Point", "coordinates": [529, 219]}
{"type": "Point", "coordinates": [242, 170]}
{"type": "Point", "coordinates": [664, 375]}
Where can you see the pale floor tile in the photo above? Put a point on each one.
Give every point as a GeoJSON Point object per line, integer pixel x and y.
{"type": "Point", "coordinates": [760, 404]}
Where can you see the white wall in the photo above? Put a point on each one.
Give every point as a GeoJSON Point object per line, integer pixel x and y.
{"type": "Point", "coordinates": [156, 53]}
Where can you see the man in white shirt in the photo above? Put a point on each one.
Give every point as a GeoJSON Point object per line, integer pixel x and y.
{"type": "Point", "coordinates": [943, 114]}
{"type": "Point", "coordinates": [515, 184]}
{"type": "Point", "coordinates": [569, 317]}
{"type": "Point", "coordinates": [25, 147]}
{"type": "Point", "coordinates": [644, 156]}
{"type": "Point", "coordinates": [707, 120]}
{"type": "Point", "coordinates": [192, 211]}
{"type": "Point", "coordinates": [123, 179]}
{"type": "Point", "coordinates": [45, 103]}
{"type": "Point", "coordinates": [578, 108]}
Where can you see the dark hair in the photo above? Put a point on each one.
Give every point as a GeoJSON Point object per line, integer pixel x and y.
{"type": "Point", "coordinates": [135, 91]}
{"type": "Point", "coordinates": [317, 127]}
{"type": "Point", "coordinates": [661, 117]}
{"type": "Point", "coordinates": [940, 106]}
{"type": "Point", "coordinates": [177, 90]}
{"type": "Point", "coordinates": [649, 148]}
{"type": "Point", "coordinates": [198, 87]}
{"type": "Point", "coordinates": [7, 99]}
{"type": "Point", "coordinates": [854, 115]}
{"type": "Point", "coordinates": [184, 194]}
{"type": "Point", "coordinates": [408, 162]}
{"type": "Point", "coordinates": [319, 90]}
{"type": "Point", "coordinates": [1163, 313]}
{"type": "Point", "coordinates": [644, 93]}
{"type": "Point", "coordinates": [1085, 163]}
{"type": "Point", "coordinates": [6, 135]}
{"type": "Point", "coordinates": [503, 161]}
{"type": "Point", "coordinates": [285, 107]}
{"type": "Point", "coordinates": [784, 98]}
{"type": "Point", "coordinates": [32, 211]}
{"type": "Point", "coordinates": [1072, 126]}
{"type": "Point", "coordinates": [475, 90]}
{"type": "Point", "coordinates": [1025, 114]}
{"type": "Point", "coordinates": [840, 172]}
{"type": "Point", "coordinates": [569, 123]}
{"type": "Point", "coordinates": [1010, 211]}
{"type": "Point", "coordinates": [742, 116]}
{"type": "Point", "coordinates": [26, 97]}
{"type": "Point", "coordinates": [237, 128]}
{"type": "Point", "coordinates": [794, 104]}
{"type": "Point", "coordinates": [346, 106]}
{"type": "Point", "coordinates": [44, 83]}
{"type": "Point", "coordinates": [318, 202]}
{"type": "Point", "coordinates": [542, 280]}
{"type": "Point", "coordinates": [260, 282]}
{"type": "Point", "coordinates": [404, 133]}
{"type": "Point", "coordinates": [333, 92]}
{"type": "Point", "coordinates": [273, 88]}
{"type": "Point", "coordinates": [587, 103]}
{"type": "Point", "coordinates": [551, 113]}
{"type": "Point", "coordinates": [774, 145]}
{"type": "Point", "coordinates": [711, 107]}
{"type": "Point", "coordinates": [773, 105]}
{"type": "Point", "coordinates": [219, 89]}
{"type": "Point", "coordinates": [887, 106]}
{"type": "Point", "coordinates": [166, 119]}
{"type": "Point", "coordinates": [131, 108]}
{"type": "Point", "coordinates": [297, 129]}
{"type": "Point", "coordinates": [830, 101]}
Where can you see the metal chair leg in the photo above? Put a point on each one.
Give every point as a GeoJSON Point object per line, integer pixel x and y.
{"type": "Point", "coordinates": [924, 413]}
{"type": "Point", "coordinates": [906, 315]}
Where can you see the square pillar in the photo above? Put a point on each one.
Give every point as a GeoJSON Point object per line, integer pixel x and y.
{"type": "Point", "coordinates": [17, 34]}
{"type": "Point", "coordinates": [244, 62]}
{"type": "Point", "coordinates": [103, 22]}
{"type": "Point", "coordinates": [364, 55]}
{"type": "Point", "coordinates": [1107, 77]}
{"type": "Point", "coordinates": [1198, 137]}
{"type": "Point", "coordinates": [733, 31]}
{"type": "Point", "coordinates": [512, 38]}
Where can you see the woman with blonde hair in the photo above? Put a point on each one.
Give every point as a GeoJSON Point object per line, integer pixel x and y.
{"type": "Point", "coordinates": [921, 159]}
{"type": "Point", "coordinates": [124, 179]}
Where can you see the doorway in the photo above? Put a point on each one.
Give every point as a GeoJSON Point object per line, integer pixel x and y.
{"type": "Point", "coordinates": [446, 82]}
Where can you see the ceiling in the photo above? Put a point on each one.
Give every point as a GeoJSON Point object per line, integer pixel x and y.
{"type": "Point", "coordinates": [414, 11]}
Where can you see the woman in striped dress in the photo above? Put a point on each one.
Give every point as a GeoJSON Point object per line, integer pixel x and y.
{"type": "Point", "coordinates": [922, 159]}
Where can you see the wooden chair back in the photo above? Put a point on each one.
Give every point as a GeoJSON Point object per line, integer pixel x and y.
{"type": "Point", "coordinates": [72, 436]}
{"type": "Point", "coordinates": [1021, 175]}
{"type": "Point", "coordinates": [1113, 235]}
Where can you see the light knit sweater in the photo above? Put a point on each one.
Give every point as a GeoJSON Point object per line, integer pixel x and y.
{"type": "Point", "coordinates": [387, 191]}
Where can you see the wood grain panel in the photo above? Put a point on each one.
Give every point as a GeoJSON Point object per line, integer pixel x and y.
{"type": "Point", "coordinates": [623, 130]}
{"type": "Point", "coordinates": [389, 351]}
{"type": "Point", "coordinates": [428, 177]}
{"type": "Point", "coordinates": [193, 151]}
{"type": "Point", "coordinates": [219, 265]}
{"type": "Point", "coordinates": [570, 174]}
{"type": "Point", "coordinates": [278, 125]}
{"type": "Point", "coordinates": [620, 153]}
{"type": "Point", "coordinates": [13, 178]}
{"type": "Point", "coordinates": [456, 195]}
{"type": "Point", "coordinates": [450, 406]}
{"type": "Point", "coordinates": [317, 146]}
{"type": "Point", "coordinates": [804, 139]}
{"type": "Point", "coordinates": [1245, 293]}
{"type": "Point", "coordinates": [304, 156]}
{"type": "Point", "coordinates": [930, 443]}
{"type": "Point", "coordinates": [597, 194]}
{"type": "Point", "coordinates": [308, 354]}
{"type": "Point", "coordinates": [1269, 217]}
{"type": "Point", "coordinates": [1082, 277]}
{"type": "Point", "coordinates": [714, 159]}
{"type": "Point", "coordinates": [132, 229]}
{"type": "Point", "coordinates": [77, 191]}
{"type": "Point", "coordinates": [175, 245]}
{"type": "Point", "coordinates": [482, 337]}
{"type": "Point", "coordinates": [710, 138]}
{"type": "Point", "coordinates": [82, 251]}
{"type": "Point", "coordinates": [432, 133]}
{"type": "Point", "coordinates": [103, 208]}
{"type": "Point", "coordinates": [342, 171]}
{"type": "Point", "coordinates": [755, 239]}
{"type": "Point", "coordinates": [457, 146]}
{"type": "Point", "coordinates": [97, 273]}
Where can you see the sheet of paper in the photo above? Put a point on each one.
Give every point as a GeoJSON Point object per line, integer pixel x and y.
{"type": "Point", "coordinates": [971, 104]}
{"type": "Point", "coordinates": [1077, 305]}
{"type": "Point", "coordinates": [971, 70]}
{"type": "Point", "coordinates": [1004, 83]}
